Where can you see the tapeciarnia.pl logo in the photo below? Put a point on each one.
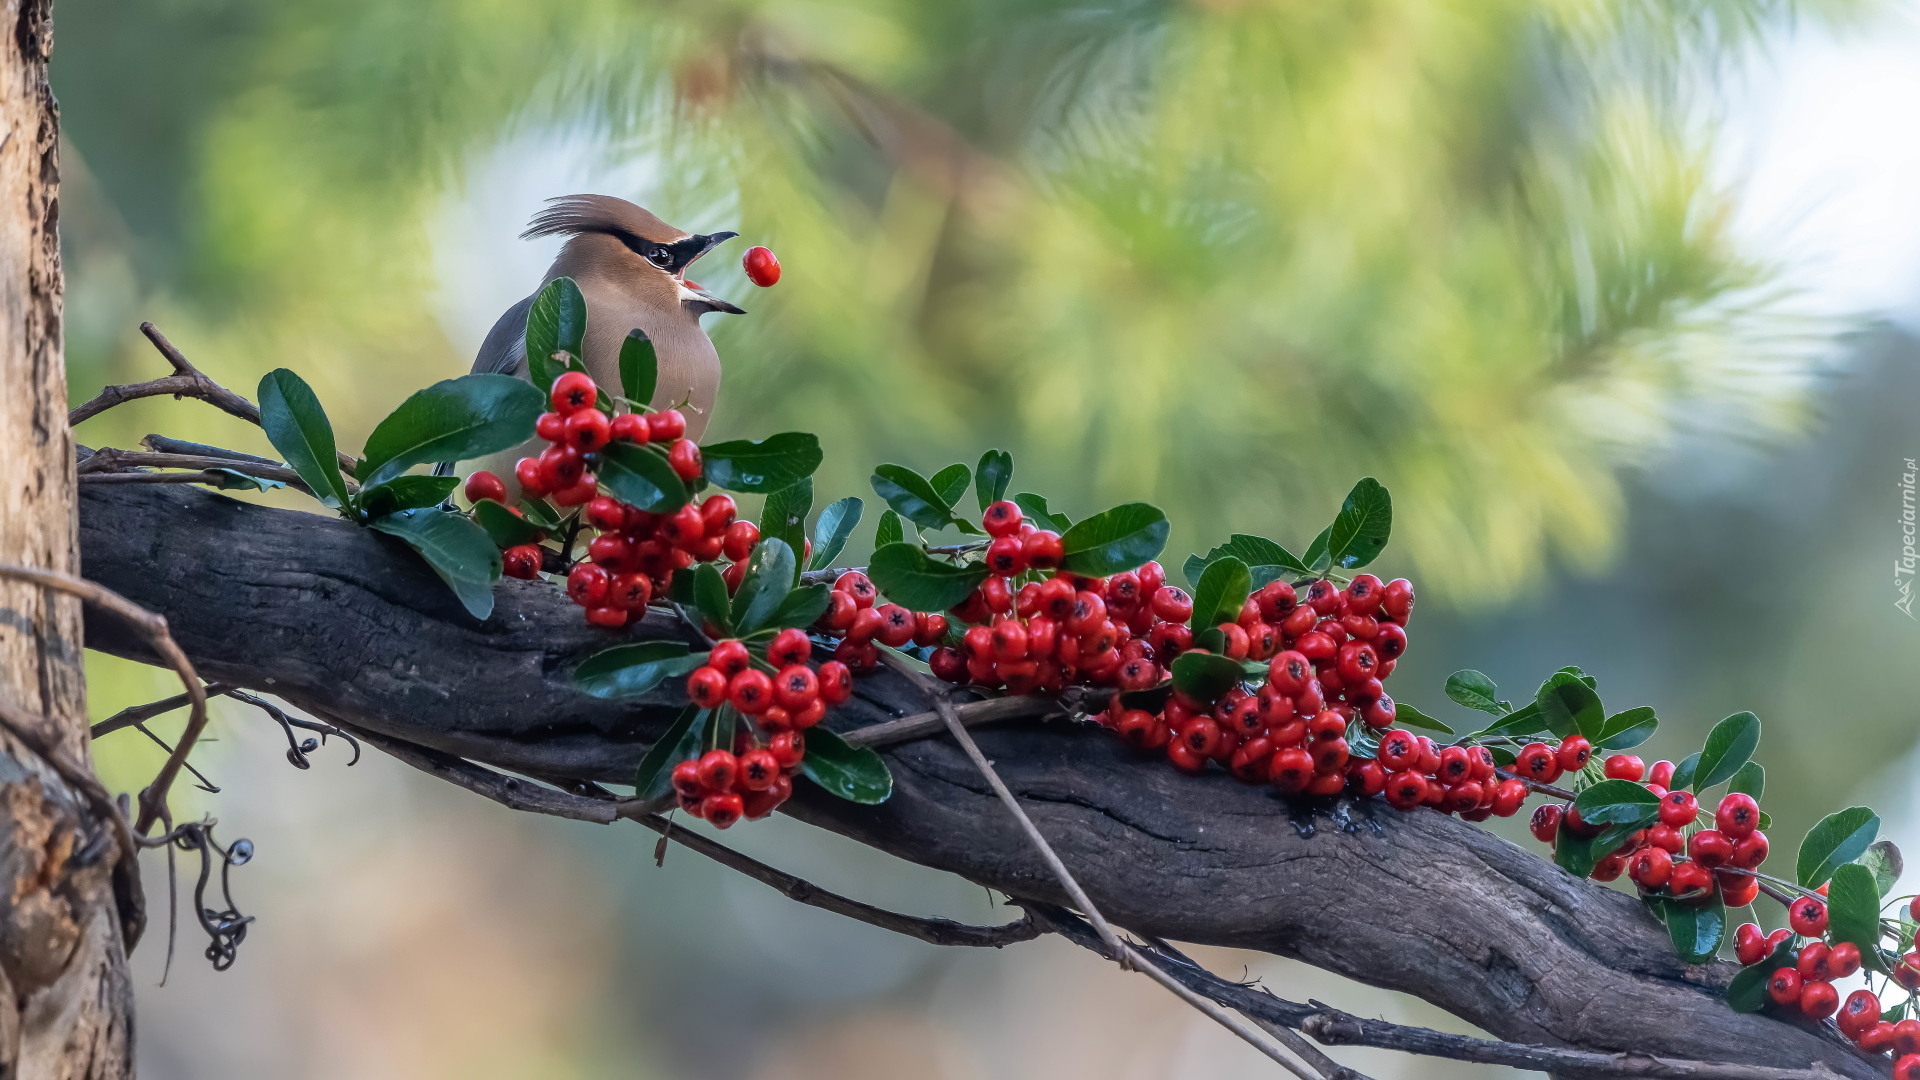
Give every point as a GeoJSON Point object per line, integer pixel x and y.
{"type": "Point", "coordinates": [1903, 567]}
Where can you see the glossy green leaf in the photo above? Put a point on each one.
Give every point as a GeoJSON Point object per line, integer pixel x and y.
{"type": "Point", "coordinates": [1696, 930]}
{"type": "Point", "coordinates": [991, 477]}
{"type": "Point", "coordinates": [802, 607]}
{"type": "Point", "coordinates": [854, 773]}
{"type": "Point", "coordinates": [557, 322]}
{"type": "Point", "coordinates": [682, 740]}
{"type": "Point", "coordinates": [640, 475]}
{"type": "Point", "coordinates": [1114, 540]}
{"type": "Point", "coordinates": [912, 496]}
{"type": "Point", "coordinates": [952, 482]}
{"type": "Point", "coordinates": [1267, 560]}
{"type": "Point", "coordinates": [1220, 593]}
{"type": "Point", "coordinates": [1729, 746]}
{"type": "Point", "coordinates": [629, 671]}
{"type": "Point", "coordinates": [1474, 690]}
{"type": "Point", "coordinates": [1625, 730]}
{"type": "Point", "coordinates": [639, 368]}
{"type": "Point", "coordinates": [1883, 860]}
{"type": "Point", "coordinates": [888, 531]}
{"type": "Point", "coordinates": [915, 580]}
{"type": "Point", "coordinates": [1577, 855]}
{"type": "Point", "coordinates": [1036, 508]}
{"type": "Point", "coordinates": [1683, 773]}
{"type": "Point", "coordinates": [1747, 992]}
{"type": "Point", "coordinates": [1317, 558]}
{"type": "Point", "coordinates": [297, 426]}
{"type": "Point", "coordinates": [1592, 683]}
{"type": "Point", "coordinates": [457, 549]}
{"type": "Point", "coordinates": [1614, 802]}
{"type": "Point", "coordinates": [1750, 780]}
{"type": "Point", "coordinates": [454, 420]}
{"type": "Point", "coordinates": [1359, 532]}
{"type": "Point", "coordinates": [505, 528]}
{"type": "Point", "coordinates": [710, 597]}
{"type": "Point", "coordinates": [784, 514]}
{"type": "Point", "coordinates": [721, 728]}
{"type": "Point", "coordinates": [1853, 909]}
{"type": "Point", "coordinates": [1568, 706]}
{"type": "Point", "coordinates": [762, 466]}
{"type": "Point", "coordinates": [406, 493]}
{"type": "Point", "coordinates": [832, 529]}
{"type": "Point", "coordinates": [1836, 840]}
{"type": "Point", "coordinates": [1204, 677]}
{"type": "Point", "coordinates": [770, 576]}
{"type": "Point", "coordinates": [543, 514]}
{"type": "Point", "coordinates": [1408, 716]}
{"type": "Point", "coordinates": [1518, 724]}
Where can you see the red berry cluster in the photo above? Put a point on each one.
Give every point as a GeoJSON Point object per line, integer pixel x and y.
{"type": "Point", "coordinates": [1805, 983]}
{"type": "Point", "coordinates": [635, 554]}
{"type": "Point", "coordinates": [1664, 859]}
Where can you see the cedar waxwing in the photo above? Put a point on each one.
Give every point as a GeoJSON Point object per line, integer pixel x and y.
{"type": "Point", "coordinates": [631, 268]}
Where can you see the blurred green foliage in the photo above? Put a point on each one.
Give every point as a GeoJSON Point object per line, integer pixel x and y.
{"type": "Point", "coordinates": [1223, 256]}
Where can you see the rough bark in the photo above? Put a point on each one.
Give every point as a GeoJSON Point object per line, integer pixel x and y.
{"type": "Point", "coordinates": [64, 996]}
{"type": "Point", "coordinates": [352, 627]}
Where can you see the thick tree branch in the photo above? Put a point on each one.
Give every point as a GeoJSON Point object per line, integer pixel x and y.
{"type": "Point", "coordinates": [352, 628]}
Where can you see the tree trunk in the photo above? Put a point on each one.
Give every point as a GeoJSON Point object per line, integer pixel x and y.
{"type": "Point", "coordinates": [65, 999]}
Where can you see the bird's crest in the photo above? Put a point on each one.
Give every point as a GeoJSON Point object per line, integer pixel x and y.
{"type": "Point", "coordinates": [569, 215]}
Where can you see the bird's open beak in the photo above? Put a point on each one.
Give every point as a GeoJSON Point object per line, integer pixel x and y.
{"type": "Point", "coordinates": [703, 301]}
{"type": "Point", "coordinates": [690, 292]}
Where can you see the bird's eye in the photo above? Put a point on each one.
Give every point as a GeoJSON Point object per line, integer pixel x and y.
{"type": "Point", "coordinates": [661, 258]}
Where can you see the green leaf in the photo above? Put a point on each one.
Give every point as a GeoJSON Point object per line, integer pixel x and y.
{"type": "Point", "coordinates": [854, 773]}
{"type": "Point", "coordinates": [1626, 730]}
{"type": "Point", "coordinates": [1221, 591]}
{"type": "Point", "coordinates": [629, 671]}
{"type": "Point", "coordinates": [639, 368]}
{"type": "Point", "coordinates": [914, 497]}
{"type": "Point", "coordinates": [1696, 931]}
{"type": "Point", "coordinates": [542, 514]}
{"type": "Point", "coordinates": [1618, 802]}
{"type": "Point", "coordinates": [1267, 560]}
{"type": "Point", "coordinates": [557, 322]}
{"type": "Point", "coordinates": [770, 576]}
{"type": "Point", "coordinates": [457, 549]}
{"type": "Point", "coordinates": [1114, 540]}
{"type": "Point", "coordinates": [406, 493]}
{"type": "Point", "coordinates": [1853, 910]}
{"type": "Point", "coordinates": [233, 479]}
{"type": "Point", "coordinates": [640, 475]}
{"type": "Point", "coordinates": [991, 477]}
{"type": "Point", "coordinates": [1474, 690]}
{"type": "Point", "coordinates": [802, 607]}
{"type": "Point", "coordinates": [951, 482]}
{"type": "Point", "coordinates": [1518, 724]}
{"type": "Point", "coordinates": [1883, 860]}
{"type": "Point", "coordinates": [1408, 716]}
{"type": "Point", "coordinates": [1747, 992]}
{"type": "Point", "coordinates": [1205, 676]}
{"type": "Point", "coordinates": [1683, 773]}
{"type": "Point", "coordinates": [1836, 840]}
{"type": "Point", "coordinates": [784, 514]}
{"type": "Point", "coordinates": [654, 779]}
{"type": "Point", "coordinates": [1317, 557]}
{"type": "Point", "coordinates": [1729, 746]}
{"type": "Point", "coordinates": [1359, 532]}
{"type": "Point", "coordinates": [1577, 855]}
{"type": "Point", "coordinates": [889, 531]}
{"type": "Point", "coordinates": [1592, 683]}
{"type": "Point", "coordinates": [832, 529]}
{"type": "Point", "coordinates": [1750, 780]}
{"type": "Point", "coordinates": [915, 580]}
{"type": "Point", "coordinates": [1568, 706]}
{"type": "Point", "coordinates": [297, 426]}
{"type": "Point", "coordinates": [1035, 507]}
{"type": "Point", "coordinates": [505, 528]}
{"type": "Point", "coordinates": [710, 597]}
{"type": "Point", "coordinates": [762, 466]}
{"type": "Point", "coordinates": [721, 728]}
{"type": "Point", "coordinates": [454, 420]}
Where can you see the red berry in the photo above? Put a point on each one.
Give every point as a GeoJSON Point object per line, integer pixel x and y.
{"type": "Point", "coordinates": [929, 628]}
{"type": "Point", "coordinates": [1381, 712]}
{"type": "Point", "coordinates": [857, 585]}
{"type": "Point", "coordinates": [686, 779]}
{"type": "Point", "coordinates": [1364, 594]}
{"type": "Point", "coordinates": [1001, 519]}
{"type": "Point", "coordinates": [1390, 642]}
{"type": "Point", "coordinates": [1750, 944]}
{"type": "Point", "coordinates": [484, 485]}
{"type": "Point", "coordinates": [1808, 917]}
{"type": "Point", "coordinates": [1843, 959]}
{"type": "Point", "coordinates": [1454, 765]}
{"type": "Point", "coordinates": [1812, 962]}
{"type": "Point", "coordinates": [630, 592]}
{"type": "Point", "coordinates": [630, 428]}
{"type": "Point", "coordinates": [751, 692]}
{"type": "Point", "coordinates": [723, 809]}
{"type": "Point", "coordinates": [1625, 767]}
{"type": "Point", "coordinates": [1508, 797]}
{"type": "Point", "coordinates": [737, 543]}
{"type": "Point", "coordinates": [612, 618]}
{"type": "Point", "coordinates": [1324, 597]}
{"type": "Point", "coordinates": [1661, 774]}
{"type": "Point", "coordinates": [1357, 661]}
{"type": "Point", "coordinates": [1399, 750]}
{"type": "Point", "coordinates": [527, 472]}
{"type": "Point", "coordinates": [758, 770]}
{"type": "Point", "coordinates": [684, 457]}
{"type": "Point", "coordinates": [796, 687]}
{"type": "Point", "coordinates": [1908, 1067]}
{"type": "Point", "coordinates": [551, 426]}
{"type": "Point", "coordinates": [521, 562]}
{"type": "Point", "coordinates": [1667, 838]}
{"type": "Point", "coordinates": [1906, 1037]}
{"type": "Point", "coordinates": [759, 804]}
{"type": "Point", "coordinates": [707, 687]}
{"type": "Point", "coordinates": [561, 468]}
{"type": "Point", "coordinates": [1007, 556]}
{"type": "Point", "coordinates": [787, 748]}
{"type": "Point", "coordinates": [1737, 890]}
{"type": "Point", "coordinates": [1546, 822]}
{"type": "Point", "coordinates": [1691, 883]}
{"type": "Point", "coordinates": [789, 647]}
{"type": "Point", "coordinates": [572, 392]}
{"type": "Point", "coordinates": [1042, 549]}
{"type": "Point", "coordinates": [836, 682]}
{"type": "Point", "coordinates": [1172, 604]}
{"type": "Point", "coordinates": [1651, 868]}
{"type": "Point", "coordinates": [1750, 852]}
{"type": "Point", "coordinates": [731, 657]}
{"type": "Point", "coordinates": [1406, 790]}
{"type": "Point", "coordinates": [867, 624]}
{"type": "Point", "coordinates": [718, 768]}
{"type": "Point", "coordinates": [588, 430]}
{"type": "Point", "coordinates": [1878, 1039]}
{"type": "Point", "coordinates": [666, 425]}
{"type": "Point", "coordinates": [1292, 770]}
{"type": "Point", "coordinates": [761, 267]}
{"type": "Point", "coordinates": [1537, 762]}
{"type": "Point", "coordinates": [1573, 753]}
{"type": "Point", "coordinates": [1610, 868]}
{"type": "Point", "coordinates": [1678, 809]}
{"type": "Point", "coordinates": [1783, 986]}
{"type": "Point", "coordinates": [1710, 848]}
{"type": "Point", "coordinates": [896, 625]}
{"type": "Point", "coordinates": [1737, 816]}
{"type": "Point", "coordinates": [1818, 999]}
{"type": "Point", "coordinates": [587, 585]}
{"type": "Point", "coordinates": [1397, 600]}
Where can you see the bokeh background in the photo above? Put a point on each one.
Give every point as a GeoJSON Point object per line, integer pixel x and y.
{"type": "Point", "coordinates": [1619, 297]}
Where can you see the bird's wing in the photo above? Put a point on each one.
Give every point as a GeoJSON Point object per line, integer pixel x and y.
{"type": "Point", "coordinates": [504, 352]}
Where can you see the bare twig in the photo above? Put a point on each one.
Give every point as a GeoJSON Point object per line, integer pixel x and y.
{"type": "Point", "coordinates": [108, 461]}
{"type": "Point", "coordinates": [1537, 787]}
{"type": "Point", "coordinates": [153, 628]}
{"type": "Point", "coordinates": [296, 751]}
{"type": "Point", "coordinates": [1076, 700]}
{"type": "Point", "coordinates": [140, 714]}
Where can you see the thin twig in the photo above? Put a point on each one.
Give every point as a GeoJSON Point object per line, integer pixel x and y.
{"type": "Point", "coordinates": [206, 785]}
{"type": "Point", "coordinates": [296, 752]}
{"type": "Point", "coordinates": [140, 714]}
{"type": "Point", "coordinates": [108, 461]}
{"type": "Point", "coordinates": [1538, 787]}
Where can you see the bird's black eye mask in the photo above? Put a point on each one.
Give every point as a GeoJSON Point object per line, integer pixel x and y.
{"type": "Point", "coordinates": [675, 257]}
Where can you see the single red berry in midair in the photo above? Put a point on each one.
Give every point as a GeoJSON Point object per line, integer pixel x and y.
{"type": "Point", "coordinates": [761, 267]}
